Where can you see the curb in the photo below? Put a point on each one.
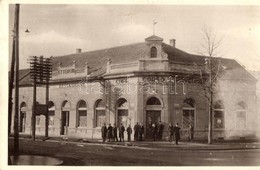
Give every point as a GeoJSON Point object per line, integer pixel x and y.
{"type": "Point", "coordinates": [156, 145]}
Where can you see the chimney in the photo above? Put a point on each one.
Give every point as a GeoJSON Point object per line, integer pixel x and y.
{"type": "Point", "coordinates": [78, 50]}
{"type": "Point", "coordinates": [173, 42]}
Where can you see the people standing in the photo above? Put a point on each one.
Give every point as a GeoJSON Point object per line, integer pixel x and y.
{"type": "Point", "coordinates": [170, 129]}
{"type": "Point", "coordinates": [129, 132]}
{"type": "Point", "coordinates": [115, 133]}
{"type": "Point", "coordinates": [154, 131]}
{"type": "Point", "coordinates": [109, 132]}
{"type": "Point", "coordinates": [121, 132]}
{"type": "Point", "coordinates": [191, 132]}
{"type": "Point", "coordinates": [176, 131]}
{"type": "Point", "coordinates": [136, 131]}
{"type": "Point", "coordinates": [141, 132]}
{"type": "Point", "coordinates": [160, 130]}
{"type": "Point", "coordinates": [104, 132]}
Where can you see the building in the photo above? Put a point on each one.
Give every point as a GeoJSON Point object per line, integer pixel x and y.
{"type": "Point", "coordinates": [145, 82]}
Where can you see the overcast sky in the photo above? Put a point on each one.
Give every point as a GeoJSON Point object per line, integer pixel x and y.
{"type": "Point", "coordinates": [60, 29]}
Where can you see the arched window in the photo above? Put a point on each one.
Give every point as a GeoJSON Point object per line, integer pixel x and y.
{"type": "Point", "coordinates": [82, 114]}
{"type": "Point", "coordinates": [241, 115]}
{"type": "Point", "coordinates": [188, 113]}
{"type": "Point", "coordinates": [153, 101]}
{"type": "Point", "coordinates": [51, 107]}
{"type": "Point", "coordinates": [153, 52]}
{"type": "Point", "coordinates": [100, 113]}
{"type": "Point", "coordinates": [219, 115]}
{"type": "Point", "coordinates": [122, 111]}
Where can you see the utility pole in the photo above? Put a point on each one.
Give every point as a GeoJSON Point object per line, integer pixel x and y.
{"type": "Point", "coordinates": [11, 86]}
{"type": "Point", "coordinates": [16, 115]}
{"type": "Point", "coordinates": [210, 102]}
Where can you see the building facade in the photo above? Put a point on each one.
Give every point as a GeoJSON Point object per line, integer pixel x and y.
{"type": "Point", "coordinates": [144, 82]}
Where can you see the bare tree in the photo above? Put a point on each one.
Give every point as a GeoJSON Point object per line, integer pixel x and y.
{"type": "Point", "coordinates": [209, 75]}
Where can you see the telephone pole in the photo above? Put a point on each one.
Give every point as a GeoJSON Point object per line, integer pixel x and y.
{"type": "Point", "coordinates": [16, 114]}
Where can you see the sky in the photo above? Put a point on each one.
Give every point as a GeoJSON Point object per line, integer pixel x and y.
{"type": "Point", "coordinates": [60, 29]}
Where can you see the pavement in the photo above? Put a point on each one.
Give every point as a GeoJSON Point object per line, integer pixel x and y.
{"type": "Point", "coordinates": [184, 145]}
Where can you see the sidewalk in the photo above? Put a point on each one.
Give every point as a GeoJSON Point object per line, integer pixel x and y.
{"type": "Point", "coordinates": [184, 145]}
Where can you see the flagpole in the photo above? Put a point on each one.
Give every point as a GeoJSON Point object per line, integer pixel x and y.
{"type": "Point", "coordinates": [153, 27]}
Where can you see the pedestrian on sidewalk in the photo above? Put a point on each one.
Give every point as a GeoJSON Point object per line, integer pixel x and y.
{"type": "Point", "coordinates": [141, 132]}
{"type": "Point", "coordinates": [160, 130]}
{"type": "Point", "coordinates": [176, 131]}
{"type": "Point", "coordinates": [191, 132]}
{"type": "Point", "coordinates": [115, 133]}
{"type": "Point", "coordinates": [129, 132]}
{"type": "Point", "coordinates": [121, 132]}
{"type": "Point", "coordinates": [104, 132]}
{"type": "Point", "coordinates": [136, 131]}
{"type": "Point", "coordinates": [154, 131]}
{"type": "Point", "coordinates": [170, 129]}
{"type": "Point", "coordinates": [109, 132]}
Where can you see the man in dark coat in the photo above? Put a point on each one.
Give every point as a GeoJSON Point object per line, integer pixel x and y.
{"type": "Point", "coordinates": [136, 131]}
{"type": "Point", "coordinates": [115, 133]}
{"type": "Point", "coordinates": [104, 132]}
{"type": "Point", "coordinates": [141, 132]}
{"type": "Point", "coordinates": [129, 132]}
{"type": "Point", "coordinates": [121, 132]}
{"type": "Point", "coordinates": [154, 131]}
{"type": "Point", "coordinates": [160, 130]}
{"type": "Point", "coordinates": [109, 132]}
{"type": "Point", "coordinates": [176, 131]}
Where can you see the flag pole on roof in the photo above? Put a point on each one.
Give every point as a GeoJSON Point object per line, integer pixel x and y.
{"type": "Point", "coordinates": [154, 22]}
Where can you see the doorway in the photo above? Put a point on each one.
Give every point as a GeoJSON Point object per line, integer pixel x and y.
{"type": "Point", "coordinates": [64, 122]}
{"type": "Point", "coordinates": [22, 121]}
{"type": "Point", "coordinates": [152, 116]}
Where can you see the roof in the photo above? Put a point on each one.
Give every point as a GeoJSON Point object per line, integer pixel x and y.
{"type": "Point", "coordinates": [128, 53]}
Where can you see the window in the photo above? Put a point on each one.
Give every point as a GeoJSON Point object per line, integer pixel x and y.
{"type": "Point", "coordinates": [153, 52]}
{"type": "Point", "coordinates": [38, 119]}
{"type": "Point", "coordinates": [82, 114]}
{"type": "Point", "coordinates": [241, 116]}
{"type": "Point", "coordinates": [188, 113]}
{"type": "Point", "coordinates": [51, 113]}
{"type": "Point", "coordinates": [219, 115]}
{"type": "Point", "coordinates": [122, 110]}
{"type": "Point", "coordinates": [100, 113]}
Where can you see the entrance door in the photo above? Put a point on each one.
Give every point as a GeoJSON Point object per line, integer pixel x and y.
{"type": "Point", "coordinates": [22, 121]}
{"type": "Point", "coordinates": [64, 122]}
{"type": "Point", "coordinates": [152, 116]}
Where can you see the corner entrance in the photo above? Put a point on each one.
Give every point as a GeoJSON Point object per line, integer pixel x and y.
{"type": "Point", "coordinates": [152, 117]}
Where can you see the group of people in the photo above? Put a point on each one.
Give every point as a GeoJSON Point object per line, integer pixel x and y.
{"type": "Point", "coordinates": [157, 131]}
{"type": "Point", "coordinates": [109, 133]}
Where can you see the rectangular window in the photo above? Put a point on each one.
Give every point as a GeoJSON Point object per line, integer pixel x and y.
{"type": "Point", "coordinates": [51, 118]}
{"type": "Point", "coordinates": [82, 118]}
{"type": "Point", "coordinates": [240, 119]}
{"type": "Point", "coordinates": [38, 119]}
{"type": "Point", "coordinates": [101, 117]}
{"type": "Point", "coordinates": [122, 117]}
{"type": "Point", "coordinates": [187, 117]}
{"type": "Point", "coordinates": [219, 119]}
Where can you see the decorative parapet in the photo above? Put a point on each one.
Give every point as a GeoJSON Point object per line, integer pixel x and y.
{"type": "Point", "coordinates": [122, 67]}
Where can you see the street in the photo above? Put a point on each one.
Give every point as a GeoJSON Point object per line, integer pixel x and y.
{"type": "Point", "coordinates": [142, 153]}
